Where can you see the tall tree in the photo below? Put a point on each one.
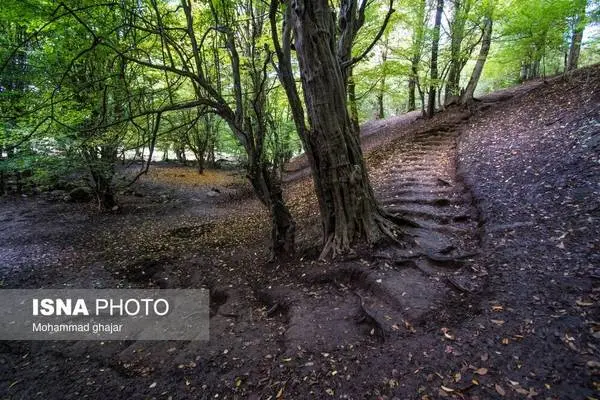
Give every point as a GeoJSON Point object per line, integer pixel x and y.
{"type": "Point", "coordinates": [458, 58]}
{"type": "Point", "coordinates": [486, 42]}
{"type": "Point", "coordinates": [433, 84]}
{"type": "Point", "coordinates": [419, 23]}
{"type": "Point", "coordinates": [379, 97]}
{"type": "Point", "coordinates": [579, 22]}
{"type": "Point", "coordinates": [349, 212]}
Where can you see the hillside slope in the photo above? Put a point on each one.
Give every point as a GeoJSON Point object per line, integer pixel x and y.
{"type": "Point", "coordinates": [533, 166]}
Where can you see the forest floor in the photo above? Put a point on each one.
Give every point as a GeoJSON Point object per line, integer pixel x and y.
{"type": "Point", "coordinates": [495, 294]}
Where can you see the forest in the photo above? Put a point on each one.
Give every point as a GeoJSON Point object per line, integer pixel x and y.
{"type": "Point", "coordinates": [385, 199]}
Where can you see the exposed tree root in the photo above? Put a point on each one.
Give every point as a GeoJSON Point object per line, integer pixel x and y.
{"type": "Point", "coordinates": [369, 318]}
{"type": "Point", "coordinates": [382, 227]}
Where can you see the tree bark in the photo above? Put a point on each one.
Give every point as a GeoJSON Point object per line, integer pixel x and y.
{"type": "Point", "coordinates": [412, 87]}
{"type": "Point", "coordinates": [267, 187]}
{"type": "Point", "coordinates": [349, 212]}
{"type": "Point", "coordinates": [352, 100]}
{"type": "Point", "coordinates": [457, 62]}
{"type": "Point", "coordinates": [434, 58]}
{"type": "Point", "coordinates": [486, 42]}
{"type": "Point", "coordinates": [381, 91]}
{"type": "Point", "coordinates": [577, 36]}
{"type": "Point", "coordinates": [418, 37]}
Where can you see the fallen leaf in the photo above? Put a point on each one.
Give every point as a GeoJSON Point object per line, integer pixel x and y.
{"type": "Point", "coordinates": [447, 389]}
{"type": "Point", "coordinates": [14, 383]}
{"type": "Point", "coordinates": [584, 303]}
{"type": "Point", "coordinates": [500, 390]}
{"type": "Point", "coordinates": [153, 385]}
{"type": "Point", "coordinates": [481, 371]}
{"type": "Point", "coordinates": [447, 334]}
{"type": "Point", "coordinates": [329, 392]}
{"type": "Point", "coordinates": [593, 364]}
{"type": "Point", "coordinates": [498, 322]}
{"type": "Point", "coordinates": [520, 390]}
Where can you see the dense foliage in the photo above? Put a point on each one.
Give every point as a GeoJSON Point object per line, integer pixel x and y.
{"type": "Point", "coordinates": [92, 91]}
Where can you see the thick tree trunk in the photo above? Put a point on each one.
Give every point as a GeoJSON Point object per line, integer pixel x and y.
{"type": "Point", "coordinates": [200, 161]}
{"type": "Point", "coordinates": [434, 58]}
{"type": "Point", "coordinates": [574, 50]}
{"type": "Point", "coordinates": [486, 42]}
{"type": "Point", "coordinates": [104, 192]}
{"type": "Point", "coordinates": [349, 212]}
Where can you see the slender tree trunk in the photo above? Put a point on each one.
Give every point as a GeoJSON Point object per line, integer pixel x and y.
{"type": "Point", "coordinates": [486, 42]}
{"type": "Point", "coordinates": [535, 69]}
{"type": "Point", "coordinates": [412, 87]}
{"type": "Point", "coordinates": [283, 231]}
{"type": "Point", "coordinates": [523, 74]}
{"type": "Point", "coordinates": [267, 187]}
{"type": "Point", "coordinates": [349, 212]}
{"type": "Point", "coordinates": [434, 58]}
{"type": "Point", "coordinates": [2, 176]}
{"type": "Point", "coordinates": [458, 59]}
{"type": "Point", "coordinates": [456, 37]}
{"type": "Point", "coordinates": [422, 97]}
{"type": "Point", "coordinates": [352, 100]}
{"type": "Point", "coordinates": [418, 38]}
{"type": "Point", "coordinates": [381, 92]}
{"type": "Point", "coordinates": [577, 37]}
{"type": "Point", "coordinates": [380, 106]}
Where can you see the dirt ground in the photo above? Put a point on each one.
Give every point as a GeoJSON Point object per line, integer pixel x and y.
{"type": "Point", "coordinates": [494, 294]}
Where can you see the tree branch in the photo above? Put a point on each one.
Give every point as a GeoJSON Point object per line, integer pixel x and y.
{"type": "Point", "coordinates": [386, 20]}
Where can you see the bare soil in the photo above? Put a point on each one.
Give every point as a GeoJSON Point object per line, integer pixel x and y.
{"type": "Point", "coordinates": [493, 295]}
